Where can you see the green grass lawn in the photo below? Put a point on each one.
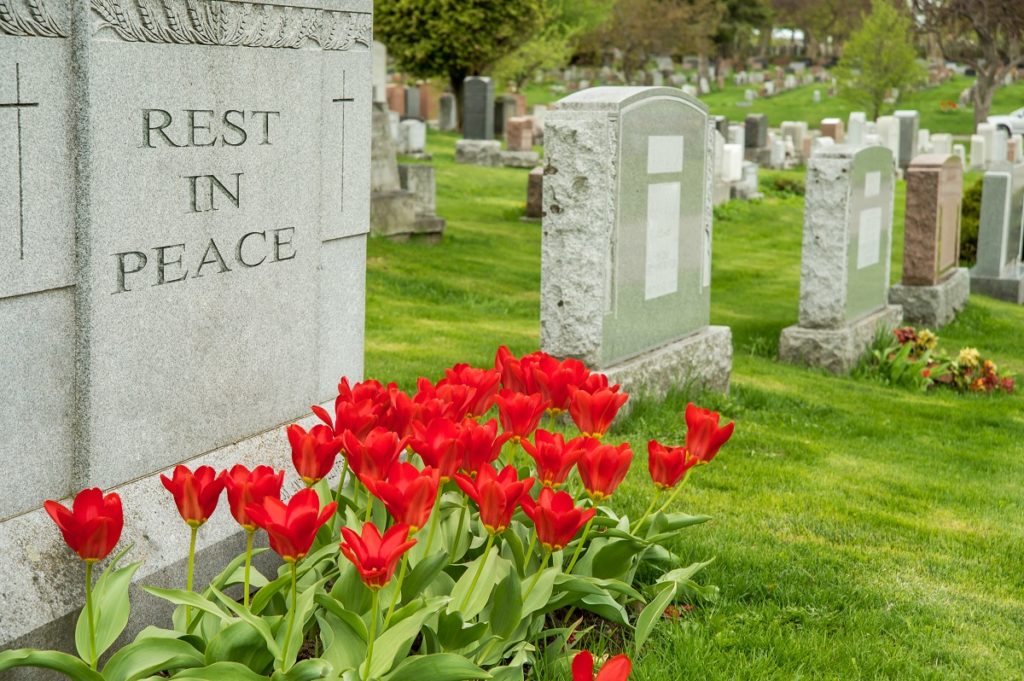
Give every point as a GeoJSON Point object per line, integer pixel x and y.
{"type": "Point", "coordinates": [798, 104]}
{"type": "Point", "coordinates": [859, 531]}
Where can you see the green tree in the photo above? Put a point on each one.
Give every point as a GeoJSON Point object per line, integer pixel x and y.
{"type": "Point", "coordinates": [878, 57]}
{"type": "Point", "coordinates": [565, 23]}
{"type": "Point", "coordinates": [454, 39]}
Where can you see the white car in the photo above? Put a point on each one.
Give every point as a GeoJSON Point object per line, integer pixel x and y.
{"type": "Point", "coordinates": [1011, 123]}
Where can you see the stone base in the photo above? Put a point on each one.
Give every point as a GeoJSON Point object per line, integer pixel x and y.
{"type": "Point", "coordinates": [933, 306]}
{"type": "Point", "coordinates": [703, 359]}
{"type": "Point", "coordinates": [42, 588]}
{"type": "Point", "coordinates": [425, 228]}
{"type": "Point", "coordinates": [478, 152]}
{"type": "Point", "coordinates": [720, 193]}
{"type": "Point", "coordinates": [520, 159]}
{"type": "Point", "coordinates": [1010, 288]}
{"type": "Point", "coordinates": [835, 350]}
{"type": "Point", "coordinates": [395, 216]}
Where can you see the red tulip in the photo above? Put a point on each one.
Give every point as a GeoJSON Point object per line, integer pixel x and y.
{"type": "Point", "coordinates": [365, 390]}
{"type": "Point", "coordinates": [93, 525]}
{"type": "Point", "coordinates": [520, 413]}
{"type": "Point", "coordinates": [245, 487]}
{"type": "Point", "coordinates": [376, 557]}
{"type": "Point", "coordinates": [615, 669]}
{"type": "Point", "coordinates": [668, 465]}
{"type": "Point", "coordinates": [372, 457]}
{"type": "Point", "coordinates": [555, 517]}
{"type": "Point", "coordinates": [593, 413]}
{"type": "Point", "coordinates": [359, 417]}
{"type": "Point", "coordinates": [603, 467]}
{"type": "Point", "coordinates": [517, 374]}
{"type": "Point", "coordinates": [703, 436]}
{"type": "Point", "coordinates": [554, 456]}
{"type": "Point", "coordinates": [558, 380]}
{"type": "Point", "coordinates": [495, 494]}
{"type": "Point", "coordinates": [484, 381]}
{"type": "Point", "coordinates": [408, 493]}
{"type": "Point", "coordinates": [195, 494]}
{"type": "Point", "coordinates": [313, 453]}
{"type": "Point", "coordinates": [481, 444]}
{"type": "Point", "coordinates": [399, 411]}
{"type": "Point", "coordinates": [292, 527]}
{"type": "Point", "coordinates": [438, 445]}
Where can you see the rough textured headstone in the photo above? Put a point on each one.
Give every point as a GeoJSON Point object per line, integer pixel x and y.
{"type": "Point", "coordinates": [478, 152]}
{"type": "Point", "coordinates": [833, 128]}
{"type": "Point", "coordinates": [909, 121]}
{"type": "Point", "coordinates": [535, 194]}
{"type": "Point", "coordinates": [448, 116]}
{"type": "Point", "coordinates": [756, 131]}
{"type": "Point", "coordinates": [845, 264]}
{"type": "Point", "coordinates": [934, 287]}
{"type": "Point", "coordinates": [626, 250]}
{"type": "Point", "coordinates": [183, 221]}
{"type": "Point", "coordinates": [520, 133]}
{"type": "Point", "coordinates": [478, 109]}
{"type": "Point", "coordinates": [999, 271]}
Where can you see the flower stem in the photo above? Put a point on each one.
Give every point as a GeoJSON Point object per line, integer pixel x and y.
{"type": "Point", "coordinates": [398, 588]}
{"type": "Point", "coordinates": [89, 614]}
{"type": "Point", "coordinates": [458, 532]}
{"type": "Point", "coordinates": [369, 506]}
{"type": "Point", "coordinates": [434, 520]}
{"type": "Point", "coordinates": [529, 551]}
{"type": "Point", "coordinates": [191, 574]}
{"type": "Point", "coordinates": [479, 571]}
{"type": "Point", "coordinates": [647, 513]}
{"type": "Point", "coordinates": [249, 534]}
{"type": "Point", "coordinates": [675, 493]}
{"type": "Point", "coordinates": [341, 483]}
{"type": "Point", "coordinates": [375, 612]}
{"type": "Point", "coordinates": [536, 577]}
{"type": "Point", "coordinates": [291, 615]}
{"type": "Point", "coordinates": [579, 548]}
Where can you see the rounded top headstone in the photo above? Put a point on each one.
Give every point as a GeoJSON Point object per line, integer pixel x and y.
{"type": "Point", "coordinates": [613, 98]}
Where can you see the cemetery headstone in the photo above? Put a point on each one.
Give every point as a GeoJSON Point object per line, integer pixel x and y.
{"type": "Point", "coordinates": [856, 129]}
{"type": "Point", "coordinates": [737, 135]}
{"type": "Point", "coordinates": [889, 132]}
{"type": "Point", "coordinates": [447, 120]}
{"type": "Point", "coordinates": [816, 97]}
{"type": "Point", "coordinates": [960, 152]}
{"type": "Point", "coordinates": [845, 266]}
{"type": "Point", "coordinates": [934, 287]}
{"type": "Point", "coordinates": [626, 248]}
{"type": "Point", "coordinates": [504, 109]}
{"type": "Point", "coordinates": [756, 131]}
{"type": "Point", "coordinates": [833, 128]}
{"type": "Point", "coordinates": [412, 103]}
{"type": "Point", "coordinates": [535, 194]}
{"type": "Point", "coordinates": [183, 221]}
{"type": "Point", "coordinates": [942, 143]}
{"type": "Point", "coordinates": [924, 142]}
{"type": "Point", "coordinates": [1014, 148]}
{"type": "Point", "coordinates": [999, 271]}
{"type": "Point", "coordinates": [979, 153]}
{"type": "Point", "coordinates": [412, 137]}
{"type": "Point", "coordinates": [478, 105]}
{"type": "Point", "coordinates": [520, 133]}
{"type": "Point", "coordinates": [732, 162]}
{"type": "Point", "coordinates": [796, 131]}
{"type": "Point", "coordinates": [380, 72]}
{"type": "Point", "coordinates": [395, 95]}
{"type": "Point", "coordinates": [909, 121]}
{"type": "Point", "coordinates": [988, 132]}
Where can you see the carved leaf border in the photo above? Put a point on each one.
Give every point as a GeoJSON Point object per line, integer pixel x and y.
{"type": "Point", "coordinates": [247, 24]}
{"type": "Point", "coordinates": [34, 19]}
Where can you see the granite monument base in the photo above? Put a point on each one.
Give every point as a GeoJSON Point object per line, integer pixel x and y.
{"type": "Point", "coordinates": [43, 588]}
{"type": "Point", "coordinates": [702, 359]}
{"type": "Point", "coordinates": [478, 152]}
{"type": "Point", "coordinates": [1010, 288]}
{"type": "Point", "coordinates": [520, 159]}
{"type": "Point", "coordinates": [933, 306]}
{"type": "Point", "coordinates": [836, 350]}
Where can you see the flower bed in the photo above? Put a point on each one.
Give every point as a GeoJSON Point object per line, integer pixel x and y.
{"type": "Point", "coordinates": [491, 551]}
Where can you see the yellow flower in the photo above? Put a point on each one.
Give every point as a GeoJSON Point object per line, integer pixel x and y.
{"type": "Point", "coordinates": [969, 357]}
{"type": "Point", "coordinates": [927, 340]}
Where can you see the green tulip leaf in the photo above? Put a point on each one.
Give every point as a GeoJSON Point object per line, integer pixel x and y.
{"type": "Point", "coordinates": [303, 607]}
{"type": "Point", "coordinates": [507, 605]}
{"type": "Point", "coordinates": [441, 667]}
{"type": "Point", "coordinates": [239, 642]}
{"type": "Point", "coordinates": [394, 644]}
{"type": "Point", "coordinates": [219, 671]}
{"type": "Point", "coordinates": [685, 574]}
{"type": "Point", "coordinates": [539, 596]}
{"type": "Point", "coordinates": [148, 656]}
{"type": "Point", "coordinates": [66, 664]}
{"type": "Point", "coordinates": [469, 598]}
{"type": "Point", "coordinates": [182, 597]}
{"type": "Point", "coordinates": [614, 558]}
{"type": "Point", "coordinates": [425, 572]}
{"type": "Point", "coordinates": [266, 594]}
{"type": "Point", "coordinates": [260, 624]}
{"type": "Point", "coordinates": [453, 634]}
{"type": "Point", "coordinates": [344, 644]}
{"type": "Point", "coordinates": [651, 614]}
{"type": "Point", "coordinates": [111, 608]}
{"type": "Point", "coordinates": [307, 670]}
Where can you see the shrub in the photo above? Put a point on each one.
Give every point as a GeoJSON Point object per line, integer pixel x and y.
{"type": "Point", "coordinates": [970, 217]}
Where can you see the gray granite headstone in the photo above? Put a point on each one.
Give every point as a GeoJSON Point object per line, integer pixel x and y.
{"type": "Point", "coordinates": [909, 121]}
{"type": "Point", "coordinates": [183, 218]}
{"type": "Point", "coordinates": [847, 249]}
{"type": "Point", "coordinates": [999, 271]}
{"type": "Point", "coordinates": [412, 103]}
{"type": "Point", "coordinates": [626, 251]}
{"type": "Point", "coordinates": [447, 118]}
{"type": "Point", "coordinates": [478, 109]}
{"type": "Point", "coordinates": [504, 109]}
{"type": "Point", "coordinates": [756, 134]}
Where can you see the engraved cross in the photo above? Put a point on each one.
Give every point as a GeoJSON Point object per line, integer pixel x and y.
{"type": "Point", "coordinates": [18, 105]}
{"type": "Point", "coordinates": [343, 100]}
